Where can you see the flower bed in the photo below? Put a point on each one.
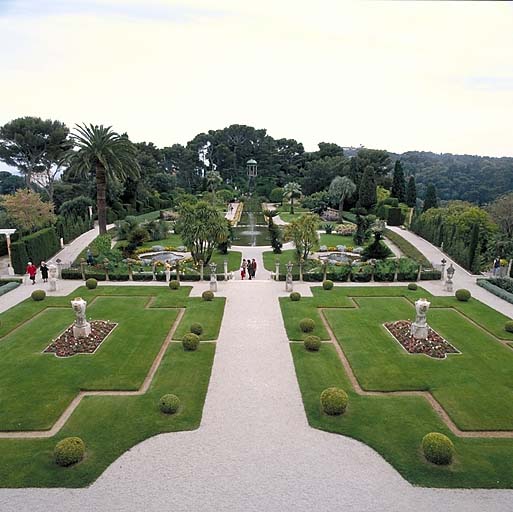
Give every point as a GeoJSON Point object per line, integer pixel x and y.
{"type": "Point", "coordinates": [66, 345]}
{"type": "Point", "coordinates": [434, 346]}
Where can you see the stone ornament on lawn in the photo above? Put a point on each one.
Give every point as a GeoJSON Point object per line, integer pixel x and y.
{"type": "Point", "coordinates": [81, 327]}
{"type": "Point", "coordinates": [419, 328]}
{"type": "Point", "coordinates": [52, 274]}
{"type": "Point", "coordinates": [213, 277]}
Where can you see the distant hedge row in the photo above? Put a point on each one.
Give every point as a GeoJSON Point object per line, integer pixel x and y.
{"type": "Point", "coordinates": [73, 273]}
{"type": "Point", "coordinates": [37, 247]}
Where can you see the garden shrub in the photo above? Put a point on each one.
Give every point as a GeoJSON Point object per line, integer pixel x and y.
{"type": "Point", "coordinates": [361, 273]}
{"type": "Point", "coordinates": [207, 295]}
{"type": "Point", "coordinates": [69, 451]}
{"type": "Point", "coordinates": [334, 401]}
{"type": "Point", "coordinates": [328, 284]}
{"type": "Point", "coordinates": [430, 275]}
{"type": "Point", "coordinates": [196, 328]}
{"type": "Point", "coordinates": [38, 295]}
{"type": "Point", "coordinates": [169, 404]}
{"type": "Point", "coordinates": [437, 448]}
{"type": "Point", "coordinates": [384, 270]}
{"type": "Point", "coordinates": [7, 287]}
{"type": "Point", "coordinates": [36, 247]}
{"type": "Point", "coordinates": [312, 343]}
{"type": "Point", "coordinates": [463, 295]}
{"type": "Point", "coordinates": [174, 285]}
{"type": "Point", "coordinates": [508, 326]}
{"type": "Point", "coordinates": [506, 283]}
{"type": "Point", "coordinates": [91, 283]}
{"type": "Point", "coordinates": [407, 269]}
{"type": "Point", "coordinates": [295, 296]}
{"type": "Point", "coordinates": [408, 249]}
{"type": "Point", "coordinates": [307, 325]}
{"type": "Point", "coordinates": [395, 216]}
{"type": "Point", "coordinates": [190, 341]}
{"type": "Point", "coordinates": [412, 286]}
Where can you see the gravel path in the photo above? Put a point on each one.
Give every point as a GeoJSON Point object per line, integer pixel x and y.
{"type": "Point", "coordinates": [254, 450]}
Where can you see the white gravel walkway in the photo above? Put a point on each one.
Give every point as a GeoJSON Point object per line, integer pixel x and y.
{"type": "Point", "coordinates": [254, 450]}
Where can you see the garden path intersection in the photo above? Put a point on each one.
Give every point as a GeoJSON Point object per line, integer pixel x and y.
{"type": "Point", "coordinates": [254, 449]}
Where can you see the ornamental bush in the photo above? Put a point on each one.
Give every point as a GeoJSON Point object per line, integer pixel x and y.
{"type": "Point", "coordinates": [334, 401]}
{"type": "Point", "coordinates": [169, 404]}
{"type": "Point", "coordinates": [174, 285]}
{"type": "Point", "coordinates": [508, 326]}
{"type": "Point", "coordinates": [207, 295]}
{"type": "Point", "coordinates": [69, 451]}
{"type": "Point", "coordinates": [463, 295]}
{"type": "Point", "coordinates": [307, 325]}
{"type": "Point", "coordinates": [91, 283]}
{"type": "Point", "coordinates": [38, 295]}
{"type": "Point", "coordinates": [190, 341]}
{"type": "Point", "coordinates": [328, 284]}
{"type": "Point", "coordinates": [295, 296]}
{"type": "Point", "coordinates": [312, 343]}
{"type": "Point", "coordinates": [412, 286]}
{"type": "Point", "coordinates": [196, 328]}
{"type": "Point", "coordinates": [437, 448]}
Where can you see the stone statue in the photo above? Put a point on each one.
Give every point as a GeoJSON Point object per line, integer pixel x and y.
{"type": "Point", "coordinates": [81, 327]}
{"type": "Point", "coordinates": [52, 273]}
{"type": "Point", "coordinates": [213, 277]}
{"type": "Point", "coordinates": [419, 328]}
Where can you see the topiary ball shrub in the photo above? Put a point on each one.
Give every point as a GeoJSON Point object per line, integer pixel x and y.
{"type": "Point", "coordinates": [295, 296]}
{"type": "Point", "coordinates": [463, 295]}
{"type": "Point", "coordinates": [508, 326]}
{"type": "Point", "coordinates": [190, 341]}
{"type": "Point", "coordinates": [174, 285]}
{"type": "Point", "coordinates": [207, 295]}
{"type": "Point", "coordinates": [327, 285]}
{"type": "Point", "coordinates": [334, 401]}
{"type": "Point", "coordinates": [437, 448]}
{"type": "Point", "coordinates": [91, 283]}
{"type": "Point", "coordinates": [196, 328]}
{"type": "Point", "coordinates": [307, 325]}
{"type": "Point", "coordinates": [38, 295]}
{"type": "Point", "coordinates": [69, 451]}
{"type": "Point", "coordinates": [312, 343]}
{"type": "Point", "coordinates": [412, 286]}
{"type": "Point", "coordinates": [169, 404]}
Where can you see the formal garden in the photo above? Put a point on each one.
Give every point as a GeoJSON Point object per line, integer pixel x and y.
{"type": "Point", "coordinates": [122, 380]}
{"type": "Point", "coordinates": [394, 397]}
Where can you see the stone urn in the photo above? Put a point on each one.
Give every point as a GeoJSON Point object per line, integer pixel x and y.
{"type": "Point", "coordinates": [419, 328]}
{"type": "Point", "coordinates": [81, 327]}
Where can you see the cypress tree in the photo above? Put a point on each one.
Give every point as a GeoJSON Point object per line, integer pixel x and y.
{"type": "Point", "coordinates": [411, 193]}
{"type": "Point", "coordinates": [367, 194]}
{"type": "Point", "coordinates": [473, 250]}
{"type": "Point", "coordinates": [431, 200]}
{"type": "Point", "coordinates": [399, 183]}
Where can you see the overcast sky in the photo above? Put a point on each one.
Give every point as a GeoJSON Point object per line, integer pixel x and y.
{"type": "Point", "coordinates": [399, 76]}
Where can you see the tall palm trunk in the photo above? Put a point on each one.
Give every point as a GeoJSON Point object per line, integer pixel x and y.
{"type": "Point", "coordinates": [101, 200]}
{"type": "Point", "coordinates": [292, 205]}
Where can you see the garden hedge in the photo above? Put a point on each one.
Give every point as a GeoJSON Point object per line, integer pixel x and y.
{"type": "Point", "coordinates": [496, 290]}
{"type": "Point", "coordinates": [508, 326]}
{"type": "Point", "coordinates": [463, 295]}
{"type": "Point", "coordinates": [295, 296]}
{"type": "Point", "coordinates": [437, 448]}
{"type": "Point", "coordinates": [190, 341]}
{"type": "Point", "coordinates": [196, 328]}
{"type": "Point", "coordinates": [312, 343]}
{"type": "Point", "coordinates": [334, 401]}
{"type": "Point", "coordinates": [207, 295]}
{"type": "Point", "coordinates": [7, 287]}
{"type": "Point", "coordinates": [36, 247]}
{"type": "Point", "coordinates": [69, 451]}
{"type": "Point", "coordinates": [306, 325]}
{"type": "Point", "coordinates": [91, 283]}
{"type": "Point", "coordinates": [169, 404]}
{"type": "Point", "coordinates": [38, 295]}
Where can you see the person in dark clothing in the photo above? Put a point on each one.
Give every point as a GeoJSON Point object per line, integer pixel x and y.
{"type": "Point", "coordinates": [253, 267]}
{"type": "Point", "coordinates": [44, 271]}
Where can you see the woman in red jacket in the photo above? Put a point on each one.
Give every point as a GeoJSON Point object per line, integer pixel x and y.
{"type": "Point", "coordinates": [31, 270]}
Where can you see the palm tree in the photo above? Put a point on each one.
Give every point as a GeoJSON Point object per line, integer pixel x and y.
{"type": "Point", "coordinates": [213, 179]}
{"type": "Point", "coordinates": [105, 154]}
{"type": "Point", "coordinates": [291, 191]}
{"type": "Point", "coordinates": [340, 188]}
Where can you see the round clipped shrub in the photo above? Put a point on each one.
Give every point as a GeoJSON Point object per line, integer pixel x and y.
{"type": "Point", "coordinates": [312, 343]}
{"type": "Point", "coordinates": [327, 285]}
{"type": "Point", "coordinates": [207, 295]}
{"type": "Point", "coordinates": [463, 295]}
{"type": "Point", "coordinates": [334, 401]}
{"type": "Point", "coordinates": [69, 451]}
{"type": "Point", "coordinates": [295, 296]}
{"type": "Point", "coordinates": [38, 295]}
{"type": "Point", "coordinates": [169, 404]}
{"type": "Point", "coordinates": [190, 341]}
{"type": "Point", "coordinates": [437, 448]}
{"type": "Point", "coordinates": [174, 285]}
{"type": "Point", "coordinates": [412, 286]}
{"type": "Point", "coordinates": [307, 325]}
{"type": "Point", "coordinates": [91, 283]}
{"type": "Point", "coordinates": [196, 328]}
{"type": "Point", "coordinates": [508, 326]}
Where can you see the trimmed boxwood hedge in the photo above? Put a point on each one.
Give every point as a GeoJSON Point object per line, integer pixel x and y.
{"type": "Point", "coordinates": [36, 247]}
{"type": "Point", "coordinates": [437, 448]}
{"type": "Point", "coordinates": [7, 287]}
{"type": "Point", "coordinates": [169, 403]}
{"type": "Point", "coordinates": [69, 451]}
{"type": "Point", "coordinates": [492, 288]}
{"type": "Point", "coordinates": [334, 401]}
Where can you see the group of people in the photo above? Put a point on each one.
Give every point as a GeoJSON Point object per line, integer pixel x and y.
{"type": "Point", "coordinates": [31, 270]}
{"type": "Point", "coordinates": [248, 267]}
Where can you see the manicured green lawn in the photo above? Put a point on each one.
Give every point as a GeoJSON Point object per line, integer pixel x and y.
{"type": "Point", "coordinates": [286, 216]}
{"type": "Point", "coordinates": [35, 388]}
{"type": "Point", "coordinates": [234, 260]}
{"type": "Point", "coordinates": [333, 240]}
{"type": "Point", "coordinates": [474, 387]}
{"type": "Point", "coordinates": [270, 259]}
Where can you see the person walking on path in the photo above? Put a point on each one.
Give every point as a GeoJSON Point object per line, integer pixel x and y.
{"type": "Point", "coordinates": [44, 271]}
{"type": "Point", "coordinates": [253, 267]}
{"type": "Point", "coordinates": [496, 266]}
{"type": "Point", "coordinates": [243, 269]}
{"type": "Point", "coordinates": [31, 270]}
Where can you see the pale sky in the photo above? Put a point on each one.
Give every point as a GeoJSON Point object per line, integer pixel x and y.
{"type": "Point", "coordinates": [391, 75]}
